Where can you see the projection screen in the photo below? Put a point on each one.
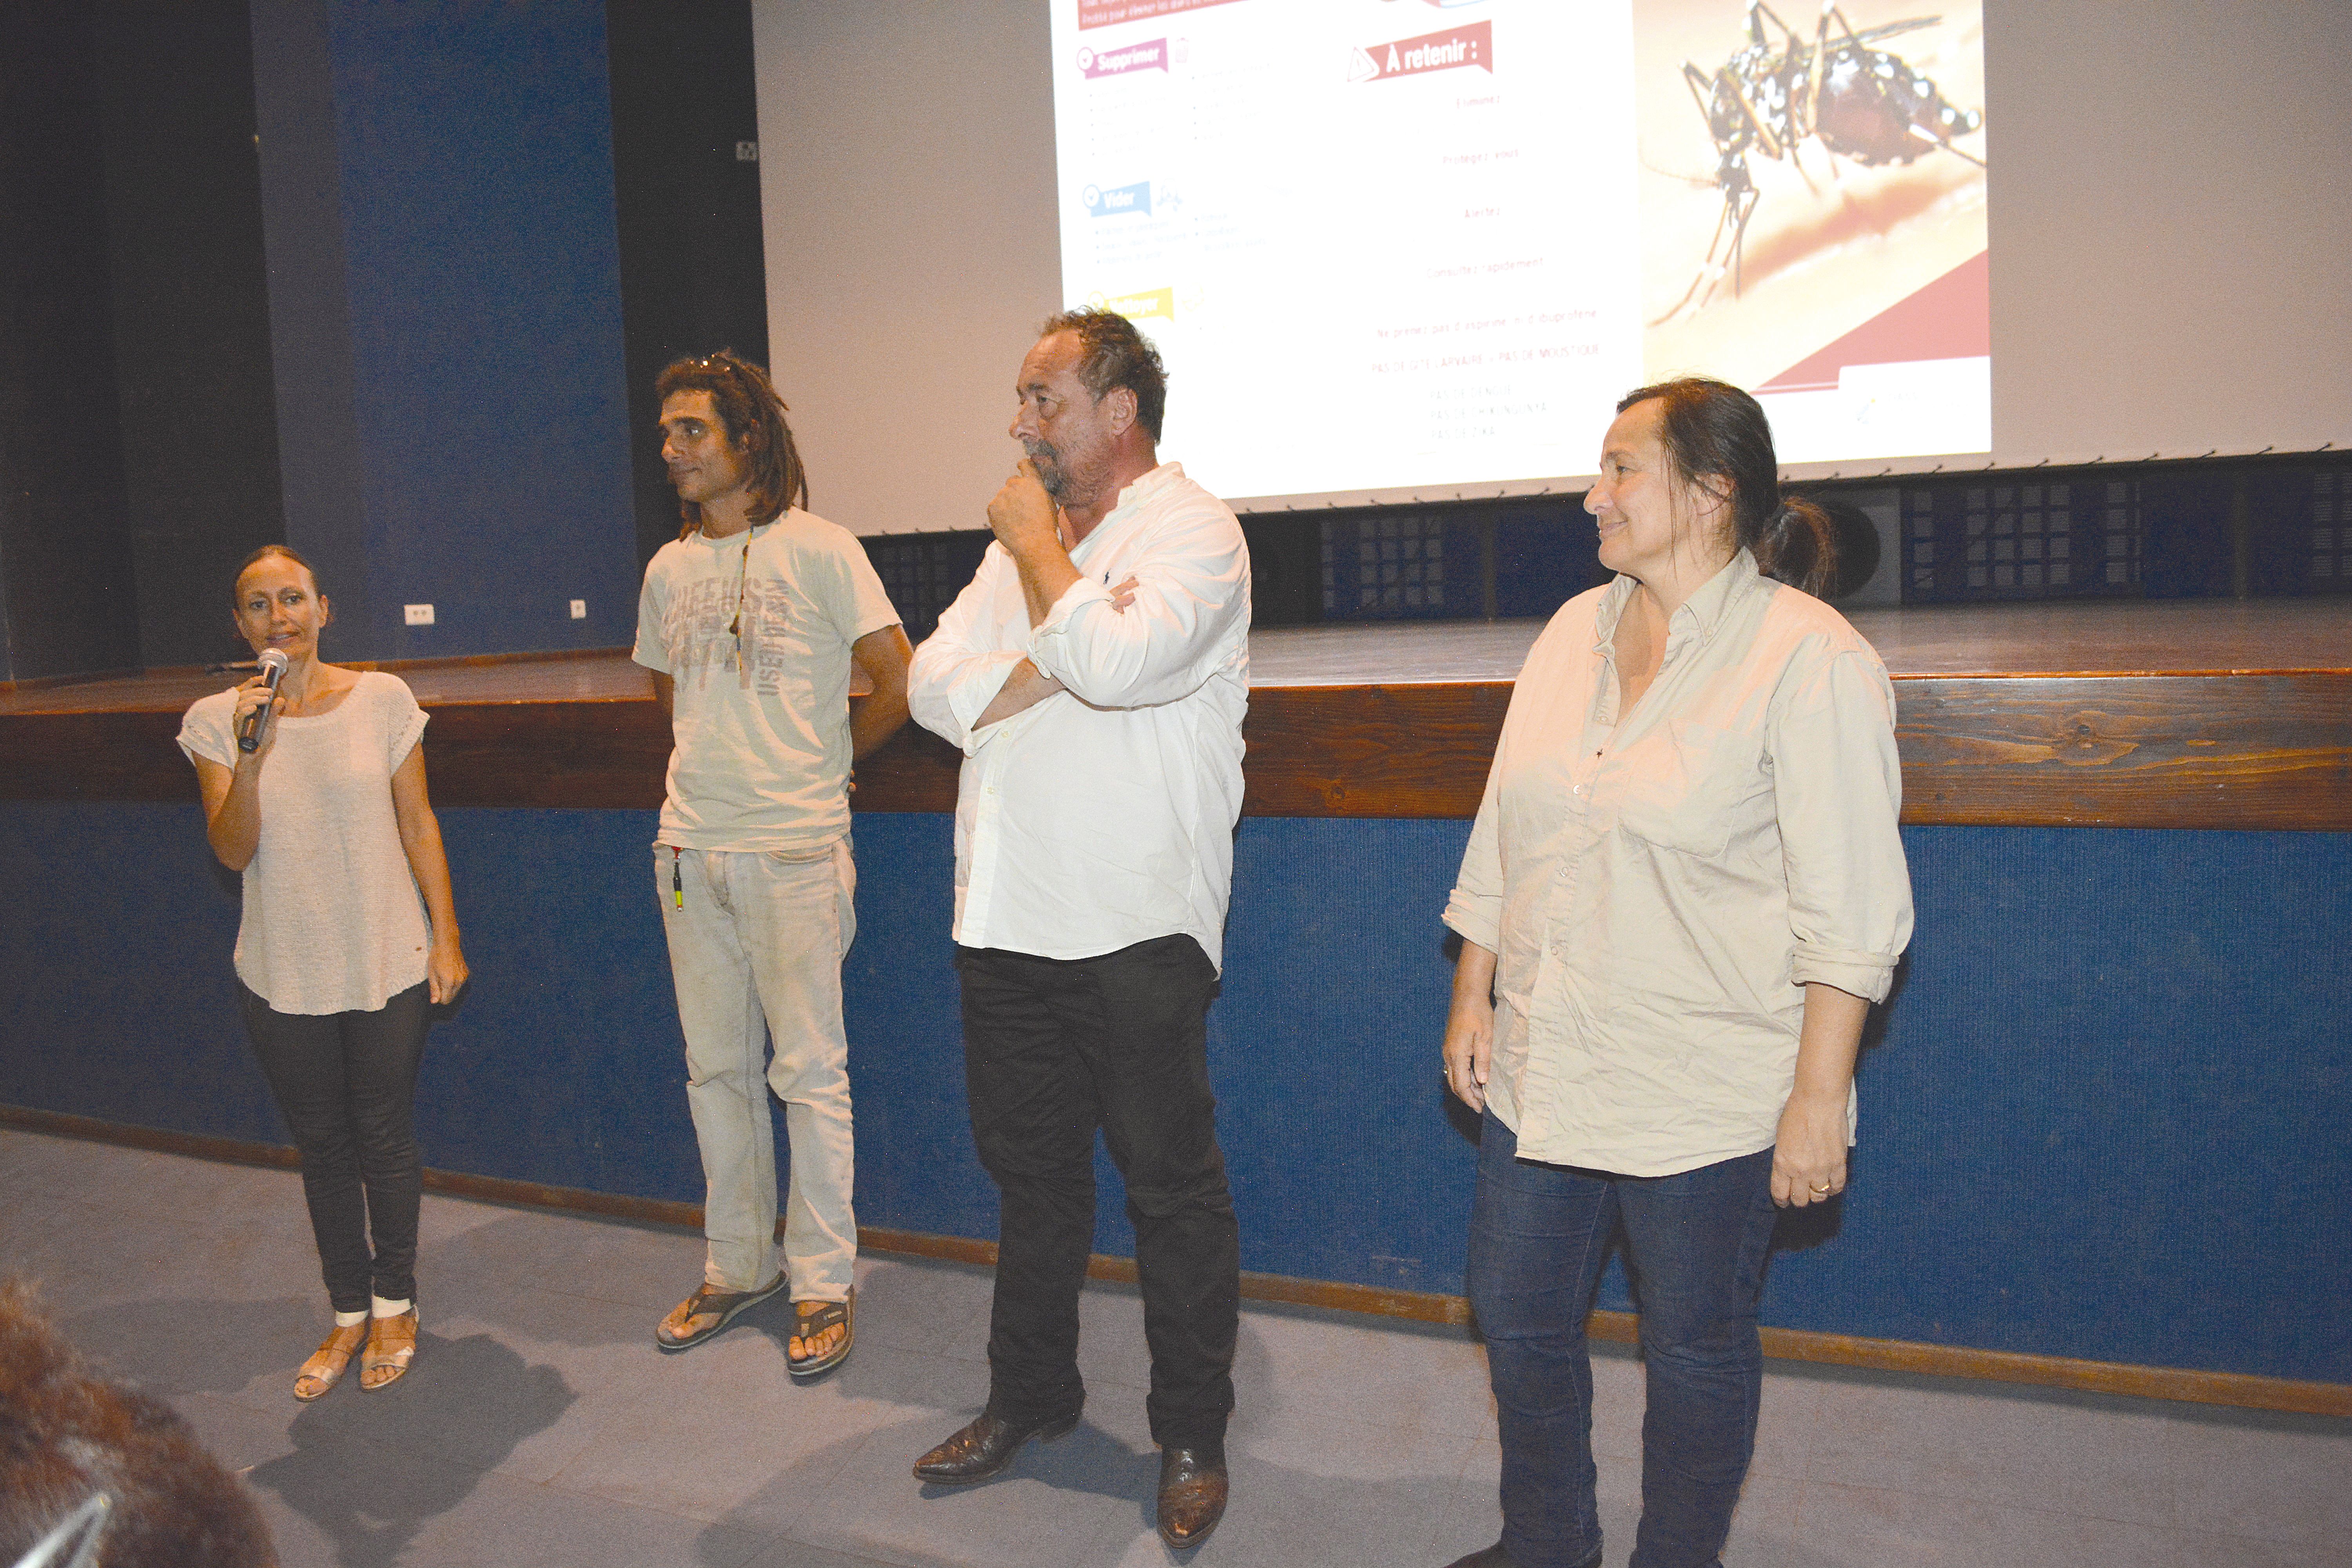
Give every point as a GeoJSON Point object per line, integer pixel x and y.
{"type": "Point", "coordinates": [1380, 282]}
{"type": "Point", "coordinates": [1482, 221]}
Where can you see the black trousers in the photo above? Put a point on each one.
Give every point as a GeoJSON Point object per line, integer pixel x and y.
{"type": "Point", "coordinates": [346, 1083]}
{"type": "Point", "coordinates": [1052, 1050]}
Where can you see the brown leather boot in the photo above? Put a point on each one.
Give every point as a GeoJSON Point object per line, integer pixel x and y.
{"type": "Point", "coordinates": [984, 1449]}
{"type": "Point", "coordinates": [1193, 1488]}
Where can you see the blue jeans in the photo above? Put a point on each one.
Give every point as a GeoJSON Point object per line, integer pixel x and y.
{"type": "Point", "coordinates": [1697, 1244]}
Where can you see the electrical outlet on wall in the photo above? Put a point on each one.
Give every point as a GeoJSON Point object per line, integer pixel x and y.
{"type": "Point", "coordinates": [579, 609]}
{"type": "Point", "coordinates": [417, 614]}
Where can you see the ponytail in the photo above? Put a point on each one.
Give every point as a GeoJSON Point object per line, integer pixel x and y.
{"type": "Point", "coordinates": [1798, 545]}
{"type": "Point", "coordinates": [1714, 428]}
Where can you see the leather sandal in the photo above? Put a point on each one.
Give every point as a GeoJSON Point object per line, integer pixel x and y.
{"type": "Point", "coordinates": [710, 1309]}
{"type": "Point", "coordinates": [326, 1365]}
{"type": "Point", "coordinates": [391, 1346]}
{"type": "Point", "coordinates": [813, 1319]}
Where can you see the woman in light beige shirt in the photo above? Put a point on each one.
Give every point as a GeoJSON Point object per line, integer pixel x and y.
{"type": "Point", "coordinates": [1683, 892]}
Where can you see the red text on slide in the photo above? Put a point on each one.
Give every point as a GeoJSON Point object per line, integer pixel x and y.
{"type": "Point", "coordinates": [1109, 13]}
{"type": "Point", "coordinates": [1457, 48]}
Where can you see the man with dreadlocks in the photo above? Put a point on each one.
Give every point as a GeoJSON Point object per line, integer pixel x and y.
{"type": "Point", "coordinates": [750, 621]}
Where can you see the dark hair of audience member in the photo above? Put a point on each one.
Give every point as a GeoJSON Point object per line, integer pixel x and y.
{"type": "Point", "coordinates": [1116, 354]}
{"type": "Point", "coordinates": [66, 1433]}
{"type": "Point", "coordinates": [753, 416]}
{"type": "Point", "coordinates": [1710, 427]}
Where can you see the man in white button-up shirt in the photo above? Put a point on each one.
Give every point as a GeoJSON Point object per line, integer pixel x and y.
{"type": "Point", "coordinates": [1095, 673]}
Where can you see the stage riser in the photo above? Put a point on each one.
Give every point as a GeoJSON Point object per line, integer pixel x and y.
{"type": "Point", "coordinates": [2180, 751]}
{"type": "Point", "coordinates": [2101, 1120]}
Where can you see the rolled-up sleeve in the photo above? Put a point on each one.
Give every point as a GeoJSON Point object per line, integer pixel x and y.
{"type": "Point", "coordinates": [1190, 584]}
{"type": "Point", "coordinates": [207, 732]}
{"type": "Point", "coordinates": [955, 675]}
{"type": "Point", "coordinates": [1838, 789]}
{"type": "Point", "coordinates": [1473, 911]}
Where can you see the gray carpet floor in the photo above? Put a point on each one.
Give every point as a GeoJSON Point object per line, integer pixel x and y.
{"type": "Point", "coordinates": [541, 1426]}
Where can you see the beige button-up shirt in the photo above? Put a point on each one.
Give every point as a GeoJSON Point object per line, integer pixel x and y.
{"type": "Point", "coordinates": [1659, 886]}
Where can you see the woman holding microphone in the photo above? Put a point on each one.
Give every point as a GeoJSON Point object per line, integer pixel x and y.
{"type": "Point", "coordinates": [1684, 890]}
{"type": "Point", "coordinates": [316, 794]}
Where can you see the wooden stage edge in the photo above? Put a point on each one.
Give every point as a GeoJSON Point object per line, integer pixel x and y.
{"type": "Point", "coordinates": [2239, 752]}
{"type": "Point", "coordinates": [2242, 1390]}
{"type": "Point", "coordinates": [2208, 715]}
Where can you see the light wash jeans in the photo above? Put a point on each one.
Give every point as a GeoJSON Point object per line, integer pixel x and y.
{"type": "Point", "coordinates": [757, 951]}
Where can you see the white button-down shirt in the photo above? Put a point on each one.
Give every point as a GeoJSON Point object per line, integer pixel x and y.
{"type": "Point", "coordinates": [1659, 886]}
{"type": "Point", "coordinates": [1103, 816]}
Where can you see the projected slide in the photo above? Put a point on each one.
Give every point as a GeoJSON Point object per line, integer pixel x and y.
{"type": "Point", "coordinates": [1391, 245]}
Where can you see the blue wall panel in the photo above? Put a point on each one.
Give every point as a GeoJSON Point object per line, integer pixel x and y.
{"type": "Point", "coordinates": [563, 1062]}
{"type": "Point", "coordinates": [116, 992]}
{"type": "Point", "coordinates": [916, 1169]}
{"type": "Point", "coordinates": [482, 258]}
{"type": "Point", "coordinates": [560, 1064]}
{"type": "Point", "coordinates": [2103, 1116]}
{"type": "Point", "coordinates": [1344, 1160]}
{"type": "Point", "coordinates": [2108, 1109]}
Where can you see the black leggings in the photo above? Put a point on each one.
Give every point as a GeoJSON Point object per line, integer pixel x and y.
{"type": "Point", "coordinates": [346, 1083]}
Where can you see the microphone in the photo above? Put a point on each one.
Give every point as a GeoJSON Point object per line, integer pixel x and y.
{"type": "Point", "coordinates": [272, 665]}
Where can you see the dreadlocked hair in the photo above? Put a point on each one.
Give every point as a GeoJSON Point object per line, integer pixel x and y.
{"type": "Point", "coordinates": [752, 417]}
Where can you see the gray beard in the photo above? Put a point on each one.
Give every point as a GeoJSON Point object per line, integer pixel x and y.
{"type": "Point", "coordinates": [1044, 459]}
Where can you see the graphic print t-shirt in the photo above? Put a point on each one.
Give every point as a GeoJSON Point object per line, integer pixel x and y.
{"type": "Point", "coordinates": [762, 718]}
